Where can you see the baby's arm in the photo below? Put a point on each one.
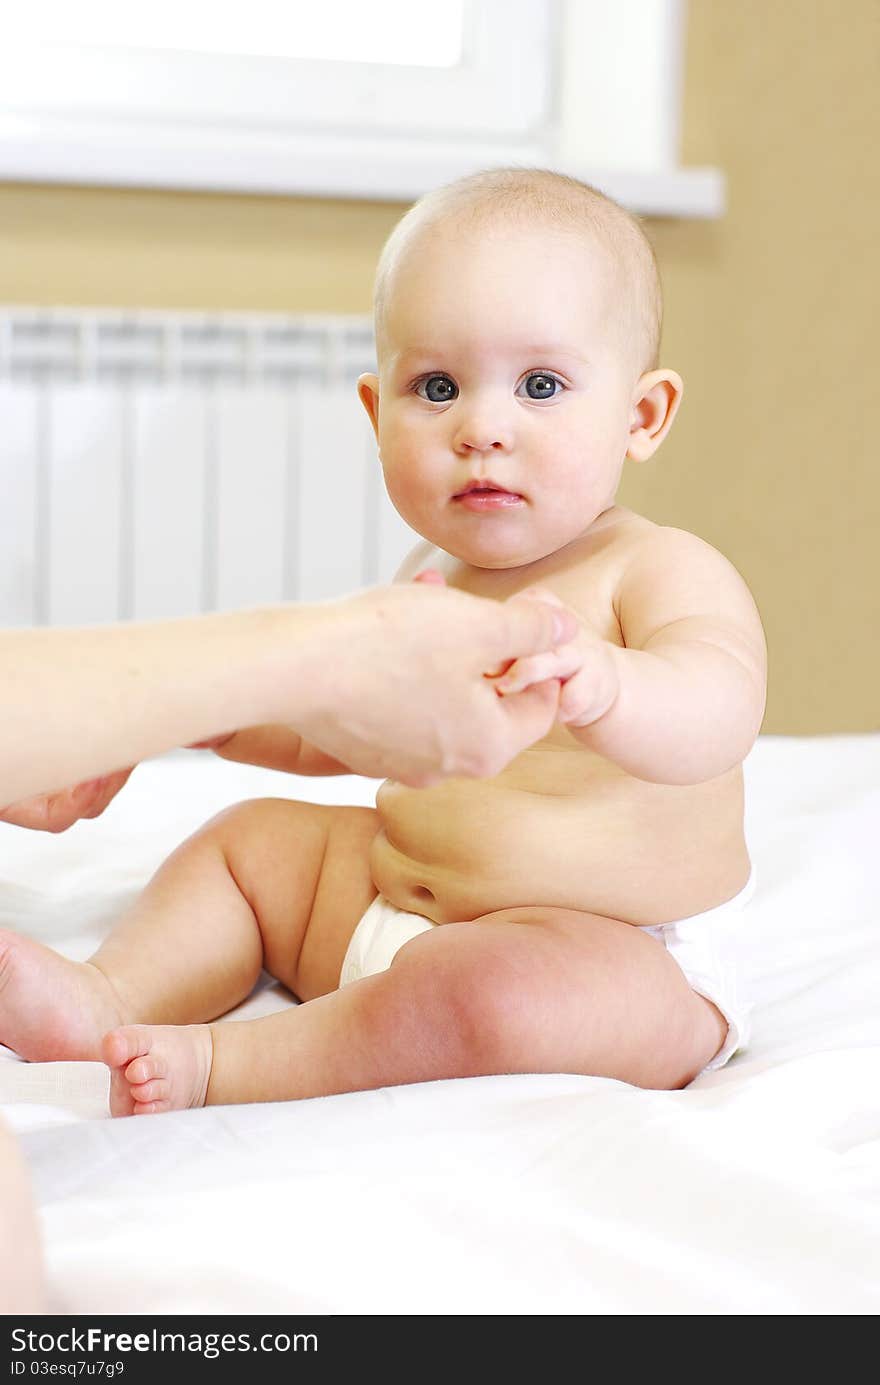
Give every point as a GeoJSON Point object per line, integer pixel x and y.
{"type": "Point", "coordinates": [684, 700]}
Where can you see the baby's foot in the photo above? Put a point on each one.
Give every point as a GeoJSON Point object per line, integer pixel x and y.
{"type": "Point", "coordinates": [51, 1008]}
{"type": "Point", "coordinates": [157, 1067]}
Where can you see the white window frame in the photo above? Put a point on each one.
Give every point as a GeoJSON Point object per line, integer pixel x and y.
{"type": "Point", "coordinates": [498, 89]}
{"type": "Point", "coordinates": [589, 86]}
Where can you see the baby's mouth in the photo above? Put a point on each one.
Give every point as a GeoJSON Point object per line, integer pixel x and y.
{"type": "Point", "coordinates": [486, 495]}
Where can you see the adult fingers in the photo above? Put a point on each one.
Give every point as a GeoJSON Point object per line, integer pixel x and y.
{"type": "Point", "coordinates": [530, 714]}
{"type": "Point", "coordinates": [536, 621]}
{"type": "Point", "coordinates": [212, 743]}
{"type": "Point", "coordinates": [540, 593]}
{"type": "Point", "coordinates": [104, 791]}
{"type": "Point", "coordinates": [30, 813]}
{"type": "Point", "coordinates": [46, 813]}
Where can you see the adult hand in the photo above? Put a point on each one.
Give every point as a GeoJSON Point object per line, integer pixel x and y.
{"type": "Point", "coordinates": [389, 681]}
{"type": "Point", "coordinates": [55, 812]}
{"type": "Point", "coordinates": [401, 688]}
{"type": "Point", "coordinates": [586, 668]}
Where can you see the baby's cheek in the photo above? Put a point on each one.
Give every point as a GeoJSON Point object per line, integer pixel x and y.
{"type": "Point", "coordinates": [411, 492]}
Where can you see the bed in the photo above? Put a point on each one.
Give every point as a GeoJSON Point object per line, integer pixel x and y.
{"type": "Point", "coordinates": [754, 1191]}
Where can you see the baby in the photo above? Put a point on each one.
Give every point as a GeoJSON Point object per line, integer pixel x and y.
{"type": "Point", "coordinates": [568, 915]}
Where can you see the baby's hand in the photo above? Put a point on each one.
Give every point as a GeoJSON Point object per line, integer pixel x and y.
{"type": "Point", "coordinates": [585, 668]}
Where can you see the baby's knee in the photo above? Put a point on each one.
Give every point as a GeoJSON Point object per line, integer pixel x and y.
{"type": "Point", "coordinates": [240, 830]}
{"type": "Point", "coordinates": [249, 813]}
{"type": "Point", "coordinates": [473, 999]}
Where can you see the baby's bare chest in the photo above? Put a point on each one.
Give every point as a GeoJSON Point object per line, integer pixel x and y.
{"type": "Point", "coordinates": [587, 580]}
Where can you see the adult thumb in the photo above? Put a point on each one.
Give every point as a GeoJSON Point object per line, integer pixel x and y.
{"type": "Point", "coordinates": [539, 621]}
{"type": "Point", "coordinates": [530, 714]}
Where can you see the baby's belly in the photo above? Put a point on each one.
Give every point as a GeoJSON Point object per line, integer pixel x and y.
{"type": "Point", "coordinates": [607, 844]}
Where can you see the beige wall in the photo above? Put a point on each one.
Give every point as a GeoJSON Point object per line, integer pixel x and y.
{"type": "Point", "coordinates": [771, 317]}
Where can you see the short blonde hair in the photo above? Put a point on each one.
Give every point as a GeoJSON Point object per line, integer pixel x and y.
{"type": "Point", "coordinates": [526, 195]}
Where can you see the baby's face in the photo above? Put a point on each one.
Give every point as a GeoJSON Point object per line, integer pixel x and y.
{"type": "Point", "coordinates": [505, 393]}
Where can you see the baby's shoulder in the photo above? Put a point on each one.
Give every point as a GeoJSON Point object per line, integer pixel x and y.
{"type": "Point", "coordinates": [629, 536]}
{"type": "Point", "coordinates": [672, 577]}
{"type": "Point", "coordinates": [650, 574]}
{"type": "Point", "coordinates": [660, 557]}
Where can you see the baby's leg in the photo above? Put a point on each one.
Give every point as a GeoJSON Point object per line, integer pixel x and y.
{"type": "Point", "coordinates": [235, 897]}
{"type": "Point", "coordinates": [239, 896]}
{"type": "Point", "coordinates": [518, 991]}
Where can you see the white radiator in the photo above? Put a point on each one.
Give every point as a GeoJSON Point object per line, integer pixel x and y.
{"type": "Point", "coordinates": [159, 464]}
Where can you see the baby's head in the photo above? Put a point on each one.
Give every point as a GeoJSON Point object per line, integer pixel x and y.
{"type": "Point", "coordinates": [517, 319]}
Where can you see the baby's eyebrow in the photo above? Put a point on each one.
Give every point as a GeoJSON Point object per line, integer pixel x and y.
{"type": "Point", "coordinates": [542, 349]}
{"type": "Point", "coordinates": [418, 353]}
{"type": "Point", "coordinates": [537, 351]}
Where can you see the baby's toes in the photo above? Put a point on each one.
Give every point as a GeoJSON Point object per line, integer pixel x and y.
{"type": "Point", "coordinates": [121, 1046]}
{"type": "Point", "coordinates": [121, 1102]}
{"type": "Point", "coordinates": [133, 1068]}
{"type": "Point", "coordinates": [144, 1093]}
{"type": "Point", "coordinates": [151, 1108]}
{"type": "Point", "coordinates": [145, 1068]}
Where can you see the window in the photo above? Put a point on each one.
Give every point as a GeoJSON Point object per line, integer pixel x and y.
{"type": "Point", "coordinates": [399, 32]}
{"type": "Point", "coordinates": [482, 75]}
{"type": "Point", "coordinates": [346, 99]}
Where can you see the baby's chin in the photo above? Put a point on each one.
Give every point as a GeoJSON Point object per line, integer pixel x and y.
{"type": "Point", "coordinates": [501, 542]}
{"type": "Point", "coordinates": [500, 557]}
{"type": "Point", "coordinates": [502, 548]}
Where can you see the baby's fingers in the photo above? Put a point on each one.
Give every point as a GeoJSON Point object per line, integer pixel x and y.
{"type": "Point", "coordinates": [537, 668]}
{"type": "Point", "coordinates": [584, 699]}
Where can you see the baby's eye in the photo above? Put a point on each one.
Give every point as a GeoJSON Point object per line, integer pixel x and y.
{"type": "Point", "coordinates": [540, 385]}
{"type": "Point", "coordinates": [437, 389]}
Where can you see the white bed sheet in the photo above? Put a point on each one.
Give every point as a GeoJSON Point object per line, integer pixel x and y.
{"type": "Point", "coordinates": [756, 1190]}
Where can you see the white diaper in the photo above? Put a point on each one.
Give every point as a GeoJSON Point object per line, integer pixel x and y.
{"type": "Point", "coordinates": [378, 938]}
{"type": "Point", "coordinates": [701, 945]}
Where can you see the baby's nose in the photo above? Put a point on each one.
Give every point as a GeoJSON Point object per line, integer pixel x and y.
{"type": "Point", "coordinates": [482, 432]}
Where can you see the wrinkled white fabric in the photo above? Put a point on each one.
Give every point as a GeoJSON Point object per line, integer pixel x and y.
{"type": "Point", "coordinates": [754, 1191]}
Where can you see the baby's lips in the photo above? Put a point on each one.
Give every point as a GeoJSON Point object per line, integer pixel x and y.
{"type": "Point", "coordinates": [431, 577]}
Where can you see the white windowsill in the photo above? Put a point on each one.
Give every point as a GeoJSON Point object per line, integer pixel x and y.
{"type": "Point", "coordinates": [304, 166]}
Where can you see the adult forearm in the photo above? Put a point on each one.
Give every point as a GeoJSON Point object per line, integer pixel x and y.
{"type": "Point", "coordinates": [278, 747]}
{"type": "Point", "coordinates": [682, 716]}
{"type": "Point", "coordinates": [22, 1273]}
{"type": "Point", "coordinates": [387, 682]}
{"type": "Point", "coordinates": [76, 703]}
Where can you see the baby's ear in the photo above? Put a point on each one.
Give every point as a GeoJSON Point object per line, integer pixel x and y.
{"type": "Point", "coordinates": [368, 392]}
{"type": "Point", "coordinates": [655, 404]}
